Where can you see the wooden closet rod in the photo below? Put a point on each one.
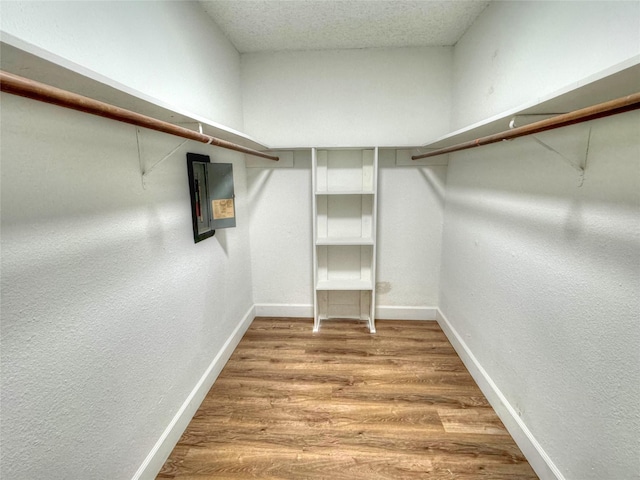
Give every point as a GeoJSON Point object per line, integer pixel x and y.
{"type": "Point", "coordinates": [612, 107]}
{"type": "Point", "coordinates": [24, 87]}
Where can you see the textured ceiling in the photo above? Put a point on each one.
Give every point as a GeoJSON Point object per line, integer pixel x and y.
{"type": "Point", "coordinates": [272, 25]}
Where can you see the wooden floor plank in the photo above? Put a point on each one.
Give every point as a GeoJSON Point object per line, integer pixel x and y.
{"type": "Point", "coordinates": [471, 420]}
{"type": "Point", "coordinates": [345, 404]}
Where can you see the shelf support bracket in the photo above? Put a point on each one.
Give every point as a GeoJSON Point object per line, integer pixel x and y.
{"type": "Point", "coordinates": [144, 170]}
{"type": "Point", "coordinates": [578, 166]}
{"type": "Point", "coordinates": [527, 118]}
{"type": "Point", "coordinates": [577, 161]}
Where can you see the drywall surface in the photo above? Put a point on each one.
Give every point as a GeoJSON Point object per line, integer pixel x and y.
{"type": "Point", "coordinates": [410, 207]}
{"type": "Point", "coordinates": [516, 52]}
{"type": "Point", "coordinates": [410, 210]}
{"type": "Point", "coordinates": [383, 97]}
{"type": "Point", "coordinates": [171, 51]}
{"type": "Point", "coordinates": [281, 226]}
{"type": "Point", "coordinates": [541, 277]}
{"type": "Point", "coordinates": [110, 312]}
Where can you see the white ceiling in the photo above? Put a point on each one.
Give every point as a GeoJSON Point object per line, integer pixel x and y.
{"type": "Point", "coordinates": [273, 25]}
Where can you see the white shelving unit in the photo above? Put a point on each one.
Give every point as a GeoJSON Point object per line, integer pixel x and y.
{"type": "Point", "coordinates": [344, 234]}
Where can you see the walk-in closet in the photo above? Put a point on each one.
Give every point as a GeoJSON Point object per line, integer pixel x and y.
{"type": "Point", "coordinates": [320, 239]}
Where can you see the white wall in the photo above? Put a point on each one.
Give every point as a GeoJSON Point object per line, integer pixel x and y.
{"type": "Point", "coordinates": [541, 278]}
{"type": "Point", "coordinates": [106, 327]}
{"type": "Point", "coordinates": [540, 268]}
{"type": "Point", "coordinates": [410, 216]}
{"type": "Point", "coordinates": [281, 225]}
{"type": "Point", "coordinates": [410, 209]}
{"type": "Point", "coordinates": [518, 51]}
{"type": "Point", "coordinates": [110, 312]}
{"type": "Point", "coordinates": [366, 97]}
{"type": "Point", "coordinates": [168, 50]}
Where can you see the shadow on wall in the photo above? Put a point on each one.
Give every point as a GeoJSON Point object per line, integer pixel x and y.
{"type": "Point", "coordinates": [434, 181]}
{"type": "Point", "coordinates": [258, 176]}
{"type": "Point", "coordinates": [521, 188]}
{"type": "Point", "coordinates": [434, 175]}
{"type": "Point", "coordinates": [257, 184]}
{"type": "Point", "coordinates": [571, 220]}
{"type": "Point", "coordinates": [549, 164]}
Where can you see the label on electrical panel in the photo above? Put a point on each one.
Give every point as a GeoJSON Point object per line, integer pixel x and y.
{"type": "Point", "coordinates": [223, 208]}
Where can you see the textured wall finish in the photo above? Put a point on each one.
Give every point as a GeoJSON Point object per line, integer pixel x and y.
{"type": "Point", "coordinates": [110, 313]}
{"type": "Point", "coordinates": [409, 229]}
{"type": "Point", "coordinates": [258, 26]}
{"type": "Point", "coordinates": [410, 210]}
{"type": "Point", "coordinates": [538, 274]}
{"type": "Point", "coordinates": [170, 51]}
{"type": "Point", "coordinates": [382, 97]}
{"type": "Point", "coordinates": [541, 277]}
{"type": "Point", "coordinates": [281, 255]}
{"type": "Point", "coordinates": [517, 52]}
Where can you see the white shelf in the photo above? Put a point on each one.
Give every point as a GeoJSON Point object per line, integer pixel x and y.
{"type": "Point", "coordinates": [35, 63]}
{"type": "Point", "coordinates": [619, 80]}
{"type": "Point", "coordinates": [345, 192]}
{"type": "Point", "coordinates": [344, 285]}
{"type": "Point", "coordinates": [344, 229]}
{"type": "Point", "coordinates": [344, 241]}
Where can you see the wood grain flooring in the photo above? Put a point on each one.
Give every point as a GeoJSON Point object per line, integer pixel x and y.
{"type": "Point", "coordinates": [345, 404]}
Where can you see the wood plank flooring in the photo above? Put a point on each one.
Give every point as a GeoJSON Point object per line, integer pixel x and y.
{"type": "Point", "coordinates": [345, 404]}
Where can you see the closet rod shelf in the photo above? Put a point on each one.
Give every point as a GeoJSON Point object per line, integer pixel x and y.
{"type": "Point", "coordinates": [617, 81]}
{"type": "Point", "coordinates": [613, 107]}
{"type": "Point", "coordinates": [24, 87]}
{"type": "Point", "coordinates": [24, 59]}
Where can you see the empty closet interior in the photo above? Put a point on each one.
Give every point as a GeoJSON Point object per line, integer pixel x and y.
{"type": "Point", "coordinates": [526, 250]}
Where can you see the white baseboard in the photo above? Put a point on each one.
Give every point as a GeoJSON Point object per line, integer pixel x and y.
{"type": "Point", "coordinates": [284, 310]}
{"type": "Point", "coordinates": [169, 438]}
{"type": "Point", "coordinates": [382, 312]}
{"type": "Point", "coordinates": [537, 457]}
{"type": "Point", "coordinates": [406, 313]}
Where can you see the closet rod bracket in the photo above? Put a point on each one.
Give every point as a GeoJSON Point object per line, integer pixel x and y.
{"type": "Point", "coordinates": [144, 169]}
{"type": "Point", "coordinates": [624, 104]}
{"type": "Point", "coordinates": [573, 155]}
{"type": "Point", "coordinates": [527, 118]}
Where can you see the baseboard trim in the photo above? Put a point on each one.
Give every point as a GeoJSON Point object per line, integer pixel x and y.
{"type": "Point", "coordinates": [532, 450]}
{"type": "Point", "coordinates": [382, 312]}
{"type": "Point", "coordinates": [284, 310]}
{"type": "Point", "coordinates": [169, 438]}
{"type": "Point", "coordinates": [406, 313]}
